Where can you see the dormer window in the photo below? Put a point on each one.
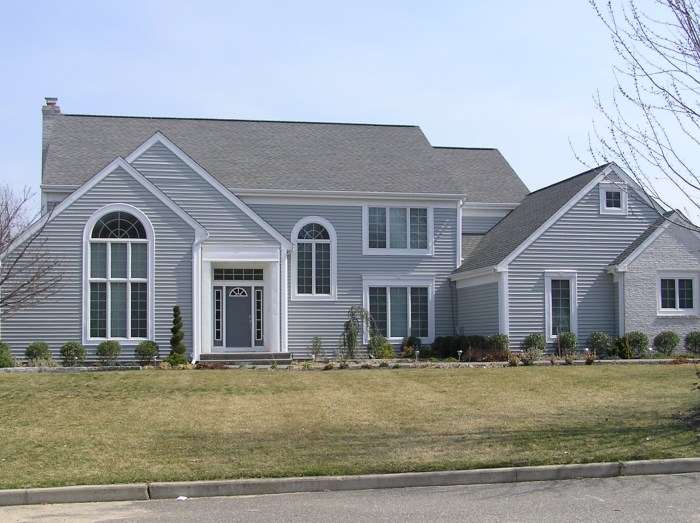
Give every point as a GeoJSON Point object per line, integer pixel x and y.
{"type": "Point", "coordinates": [613, 198]}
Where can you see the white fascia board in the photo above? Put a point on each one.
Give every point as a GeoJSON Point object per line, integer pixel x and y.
{"type": "Point", "coordinates": [346, 200]}
{"type": "Point", "coordinates": [200, 232]}
{"type": "Point", "coordinates": [226, 252]}
{"type": "Point", "coordinates": [622, 267]}
{"type": "Point", "coordinates": [159, 137]}
{"type": "Point", "coordinates": [58, 188]}
{"type": "Point", "coordinates": [552, 219]}
{"type": "Point", "coordinates": [491, 277]}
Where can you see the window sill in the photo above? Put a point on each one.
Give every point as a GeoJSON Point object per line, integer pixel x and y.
{"type": "Point", "coordinates": [313, 297]}
{"type": "Point", "coordinates": [396, 252]}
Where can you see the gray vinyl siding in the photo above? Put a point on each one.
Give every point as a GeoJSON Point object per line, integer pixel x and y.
{"type": "Point", "coordinates": [582, 240]}
{"type": "Point", "coordinates": [479, 224]}
{"type": "Point", "coordinates": [325, 319]}
{"type": "Point", "coordinates": [60, 320]}
{"type": "Point", "coordinates": [201, 200]}
{"type": "Point", "coordinates": [675, 249]}
{"type": "Point", "coordinates": [478, 309]}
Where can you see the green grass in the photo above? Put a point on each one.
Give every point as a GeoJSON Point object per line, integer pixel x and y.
{"type": "Point", "coordinates": [119, 427]}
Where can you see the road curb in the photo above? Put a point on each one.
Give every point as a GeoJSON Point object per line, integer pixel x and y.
{"type": "Point", "coordinates": [249, 487]}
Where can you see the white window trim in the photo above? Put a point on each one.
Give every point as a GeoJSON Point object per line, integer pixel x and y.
{"type": "Point", "coordinates": [573, 279]}
{"type": "Point", "coordinates": [150, 238]}
{"type": "Point", "coordinates": [388, 251]}
{"type": "Point", "coordinates": [617, 187]}
{"type": "Point", "coordinates": [401, 281]}
{"type": "Point", "coordinates": [334, 260]}
{"type": "Point", "coordinates": [675, 275]}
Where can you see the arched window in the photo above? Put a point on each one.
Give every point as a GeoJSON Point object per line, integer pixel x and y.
{"type": "Point", "coordinates": [314, 261]}
{"type": "Point", "coordinates": [118, 277]}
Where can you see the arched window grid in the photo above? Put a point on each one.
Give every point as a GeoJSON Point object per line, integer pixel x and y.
{"type": "Point", "coordinates": [118, 292]}
{"type": "Point", "coordinates": [314, 261]}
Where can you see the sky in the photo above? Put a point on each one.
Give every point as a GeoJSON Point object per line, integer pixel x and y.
{"type": "Point", "coordinates": [519, 76]}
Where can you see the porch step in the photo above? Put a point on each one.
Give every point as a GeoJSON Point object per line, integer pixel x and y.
{"type": "Point", "coordinates": [248, 358]}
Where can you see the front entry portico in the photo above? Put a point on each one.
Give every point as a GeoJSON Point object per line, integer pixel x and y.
{"type": "Point", "coordinates": [243, 300]}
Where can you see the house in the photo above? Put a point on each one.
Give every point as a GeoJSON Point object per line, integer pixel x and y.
{"type": "Point", "coordinates": [266, 233]}
{"type": "Point", "coordinates": [590, 253]}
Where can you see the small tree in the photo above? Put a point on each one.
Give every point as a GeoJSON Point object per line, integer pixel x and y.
{"type": "Point", "coordinates": [177, 348]}
{"type": "Point", "coordinates": [348, 343]}
{"type": "Point", "coordinates": [567, 344]}
{"type": "Point", "coordinates": [37, 350]}
{"type": "Point", "coordinates": [6, 355]}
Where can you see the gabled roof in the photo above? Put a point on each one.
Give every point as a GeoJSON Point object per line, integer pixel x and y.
{"type": "Point", "coordinates": [525, 220]}
{"type": "Point", "coordinates": [265, 155]}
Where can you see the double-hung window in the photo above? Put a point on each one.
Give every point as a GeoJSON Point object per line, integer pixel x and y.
{"type": "Point", "coordinates": [397, 230]}
{"type": "Point", "coordinates": [678, 293]}
{"type": "Point", "coordinates": [400, 310]}
{"type": "Point", "coordinates": [118, 268]}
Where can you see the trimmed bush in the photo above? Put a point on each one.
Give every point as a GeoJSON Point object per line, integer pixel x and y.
{"type": "Point", "coordinates": [666, 342]}
{"type": "Point", "coordinates": [380, 348]}
{"type": "Point", "coordinates": [146, 352]}
{"type": "Point", "coordinates": [37, 350]}
{"type": "Point", "coordinates": [108, 352]}
{"type": "Point", "coordinates": [6, 359]}
{"type": "Point", "coordinates": [533, 347]}
{"type": "Point", "coordinates": [72, 354]}
{"type": "Point", "coordinates": [567, 343]}
{"type": "Point", "coordinates": [692, 342]}
{"type": "Point", "coordinates": [632, 345]}
{"type": "Point", "coordinates": [497, 342]}
{"type": "Point", "coordinates": [599, 343]}
{"type": "Point", "coordinates": [177, 348]}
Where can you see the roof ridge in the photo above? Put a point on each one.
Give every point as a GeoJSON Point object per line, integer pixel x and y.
{"type": "Point", "coordinates": [238, 120]}
{"type": "Point", "coordinates": [566, 180]}
{"type": "Point", "coordinates": [466, 148]}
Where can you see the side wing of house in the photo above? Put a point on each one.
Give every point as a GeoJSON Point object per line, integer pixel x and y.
{"type": "Point", "coordinates": [126, 257]}
{"type": "Point", "coordinates": [658, 280]}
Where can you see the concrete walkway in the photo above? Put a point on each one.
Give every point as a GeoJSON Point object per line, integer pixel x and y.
{"type": "Point", "coordinates": [245, 487]}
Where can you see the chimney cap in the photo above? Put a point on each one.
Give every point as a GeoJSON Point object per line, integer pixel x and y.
{"type": "Point", "coordinates": [51, 101]}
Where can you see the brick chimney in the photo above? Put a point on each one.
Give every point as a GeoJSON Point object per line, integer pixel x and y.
{"type": "Point", "coordinates": [48, 113]}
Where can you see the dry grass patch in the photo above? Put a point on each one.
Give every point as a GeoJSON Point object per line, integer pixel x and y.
{"type": "Point", "coordinates": [187, 425]}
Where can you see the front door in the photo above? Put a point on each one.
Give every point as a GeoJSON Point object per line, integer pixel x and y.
{"type": "Point", "coordinates": [238, 316]}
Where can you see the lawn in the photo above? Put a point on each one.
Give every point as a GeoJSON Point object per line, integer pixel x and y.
{"type": "Point", "coordinates": [119, 427]}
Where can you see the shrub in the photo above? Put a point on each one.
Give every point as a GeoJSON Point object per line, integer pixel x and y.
{"type": "Point", "coordinates": [692, 342]}
{"type": "Point", "coordinates": [599, 343]}
{"type": "Point", "coordinates": [380, 348]}
{"type": "Point", "coordinates": [478, 354]}
{"type": "Point", "coordinates": [410, 345]}
{"type": "Point", "coordinates": [567, 343]}
{"type": "Point", "coordinates": [631, 345]}
{"type": "Point", "coordinates": [6, 359]}
{"type": "Point", "coordinates": [497, 342]}
{"type": "Point", "coordinates": [534, 341]}
{"type": "Point", "coordinates": [108, 351]}
{"type": "Point", "coordinates": [146, 352]}
{"type": "Point", "coordinates": [666, 342]}
{"type": "Point", "coordinates": [177, 348]}
{"type": "Point", "coordinates": [530, 355]}
{"type": "Point", "coordinates": [513, 359]}
{"type": "Point", "coordinates": [42, 362]}
{"type": "Point", "coordinates": [316, 347]}
{"type": "Point", "coordinates": [72, 354]}
{"type": "Point", "coordinates": [37, 350]}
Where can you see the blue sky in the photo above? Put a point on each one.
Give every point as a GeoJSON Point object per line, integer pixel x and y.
{"type": "Point", "coordinates": [518, 76]}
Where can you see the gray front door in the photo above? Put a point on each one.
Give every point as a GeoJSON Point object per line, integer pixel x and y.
{"type": "Point", "coordinates": [238, 316]}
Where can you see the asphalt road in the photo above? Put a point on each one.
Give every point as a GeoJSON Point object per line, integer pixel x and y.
{"type": "Point", "coordinates": [672, 498]}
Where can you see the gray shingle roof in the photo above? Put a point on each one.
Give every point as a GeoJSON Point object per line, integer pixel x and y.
{"type": "Point", "coordinates": [244, 154]}
{"type": "Point", "coordinates": [535, 209]}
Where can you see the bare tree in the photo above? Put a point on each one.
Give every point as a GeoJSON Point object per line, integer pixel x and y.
{"type": "Point", "coordinates": [651, 126]}
{"type": "Point", "coordinates": [28, 273]}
